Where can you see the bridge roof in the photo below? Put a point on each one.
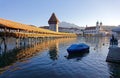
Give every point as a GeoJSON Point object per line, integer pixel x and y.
{"type": "Point", "coordinates": [15, 25]}
{"type": "Point", "coordinates": [53, 19]}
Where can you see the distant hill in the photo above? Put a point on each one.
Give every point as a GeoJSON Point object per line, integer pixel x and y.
{"type": "Point", "coordinates": [66, 25]}
{"type": "Point", "coordinates": [69, 25]}
{"type": "Point", "coordinates": [108, 27]}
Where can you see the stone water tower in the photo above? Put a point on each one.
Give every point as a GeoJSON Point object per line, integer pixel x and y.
{"type": "Point", "coordinates": [53, 23]}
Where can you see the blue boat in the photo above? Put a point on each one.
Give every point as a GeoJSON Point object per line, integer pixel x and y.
{"type": "Point", "coordinates": [78, 48]}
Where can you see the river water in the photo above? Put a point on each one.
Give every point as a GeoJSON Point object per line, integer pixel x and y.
{"type": "Point", "coordinates": [49, 59]}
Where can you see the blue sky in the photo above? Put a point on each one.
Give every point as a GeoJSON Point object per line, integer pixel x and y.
{"type": "Point", "coordinates": [79, 12]}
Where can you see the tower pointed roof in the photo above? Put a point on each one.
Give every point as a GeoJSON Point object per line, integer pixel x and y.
{"type": "Point", "coordinates": [53, 19]}
{"type": "Point", "coordinates": [97, 22]}
{"type": "Point", "coordinates": [100, 23]}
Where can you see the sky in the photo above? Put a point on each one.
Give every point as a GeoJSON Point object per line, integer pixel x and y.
{"type": "Point", "coordinates": [79, 12]}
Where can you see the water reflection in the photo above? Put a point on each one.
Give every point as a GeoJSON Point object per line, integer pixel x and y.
{"type": "Point", "coordinates": [8, 57]}
{"type": "Point", "coordinates": [113, 62]}
{"type": "Point", "coordinates": [54, 47]}
{"type": "Point", "coordinates": [97, 42]}
{"type": "Point", "coordinates": [77, 56]}
{"type": "Point", "coordinates": [114, 70]}
{"type": "Point", "coordinates": [46, 60]}
{"type": "Point", "coordinates": [16, 54]}
{"type": "Point", "coordinates": [53, 51]}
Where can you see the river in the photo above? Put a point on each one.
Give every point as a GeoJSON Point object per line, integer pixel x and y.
{"type": "Point", "coordinates": [49, 59]}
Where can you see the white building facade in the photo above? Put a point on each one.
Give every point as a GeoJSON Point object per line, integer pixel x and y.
{"type": "Point", "coordinates": [95, 30]}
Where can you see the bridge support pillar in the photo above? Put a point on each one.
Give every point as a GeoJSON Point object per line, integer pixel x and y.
{"type": "Point", "coordinates": [17, 42]}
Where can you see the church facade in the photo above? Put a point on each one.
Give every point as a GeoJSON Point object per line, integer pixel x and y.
{"type": "Point", "coordinates": [95, 30]}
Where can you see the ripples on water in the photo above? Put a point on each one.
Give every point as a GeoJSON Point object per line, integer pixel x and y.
{"type": "Point", "coordinates": [49, 59]}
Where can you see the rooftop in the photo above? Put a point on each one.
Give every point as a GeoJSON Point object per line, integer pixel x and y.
{"type": "Point", "coordinates": [53, 19]}
{"type": "Point", "coordinates": [90, 28]}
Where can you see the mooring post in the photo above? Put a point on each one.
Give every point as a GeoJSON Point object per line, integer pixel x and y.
{"type": "Point", "coordinates": [17, 41]}
{"type": "Point", "coordinates": [28, 41]}
{"type": "Point", "coordinates": [34, 40]}
{"type": "Point", "coordinates": [20, 41]}
{"type": "Point", "coordinates": [5, 43]}
{"type": "Point", "coordinates": [1, 42]}
{"type": "Point", "coordinates": [4, 38]}
{"type": "Point", "coordinates": [31, 40]}
{"type": "Point", "coordinates": [24, 39]}
{"type": "Point", "coordinates": [40, 39]}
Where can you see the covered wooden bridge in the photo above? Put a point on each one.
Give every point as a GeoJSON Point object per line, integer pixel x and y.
{"type": "Point", "coordinates": [25, 33]}
{"type": "Point", "coordinates": [13, 29]}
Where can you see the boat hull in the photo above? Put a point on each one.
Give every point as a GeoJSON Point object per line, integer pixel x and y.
{"type": "Point", "coordinates": [78, 54]}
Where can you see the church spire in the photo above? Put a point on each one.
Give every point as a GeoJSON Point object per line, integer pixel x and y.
{"type": "Point", "coordinates": [97, 23]}
{"type": "Point", "coordinates": [100, 23]}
